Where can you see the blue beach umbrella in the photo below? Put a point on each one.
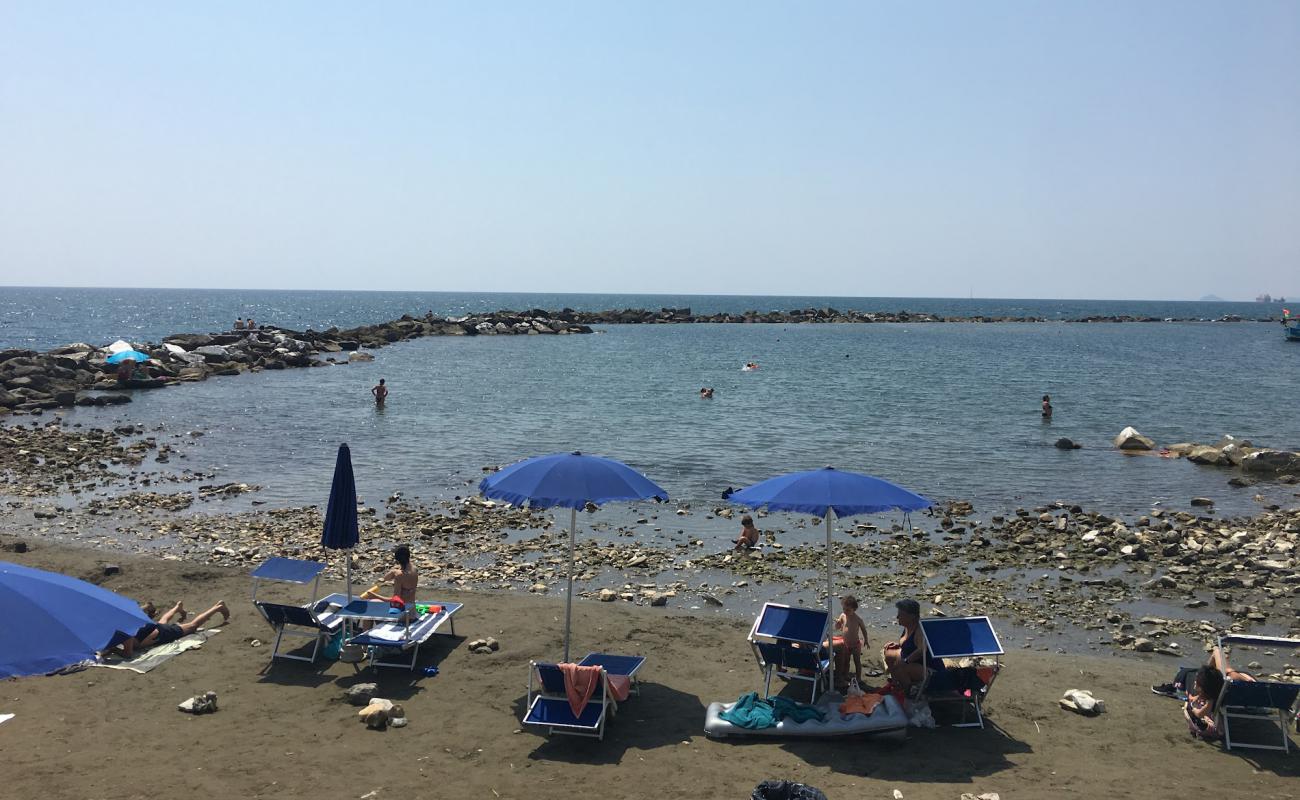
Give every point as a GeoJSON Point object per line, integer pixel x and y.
{"type": "Point", "coordinates": [341, 531]}
{"type": "Point", "coordinates": [128, 355]}
{"type": "Point", "coordinates": [826, 493]}
{"type": "Point", "coordinates": [50, 621]}
{"type": "Point", "coordinates": [568, 480]}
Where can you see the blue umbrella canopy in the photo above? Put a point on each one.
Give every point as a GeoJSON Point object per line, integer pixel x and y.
{"type": "Point", "coordinates": [829, 492]}
{"type": "Point", "coordinates": [821, 491]}
{"type": "Point", "coordinates": [568, 480]}
{"type": "Point", "coordinates": [341, 531]}
{"type": "Point", "coordinates": [50, 621]}
{"type": "Point", "coordinates": [127, 355]}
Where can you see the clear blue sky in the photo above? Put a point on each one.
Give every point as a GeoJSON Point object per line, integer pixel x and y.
{"type": "Point", "coordinates": [1010, 149]}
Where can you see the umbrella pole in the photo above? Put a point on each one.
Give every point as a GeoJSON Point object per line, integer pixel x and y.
{"type": "Point", "coordinates": [568, 595]}
{"type": "Point", "coordinates": [348, 555]}
{"type": "Point", "coordinates": [830, 600]}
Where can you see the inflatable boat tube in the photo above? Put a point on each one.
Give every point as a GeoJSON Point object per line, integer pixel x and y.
{"type": "Point", "coordinates": [888, 716]}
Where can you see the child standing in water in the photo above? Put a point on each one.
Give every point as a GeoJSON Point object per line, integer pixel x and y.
{"type": "Point", "coordinates": [855, 636]}
{"type": "Point", "coordinates": [1047, 406]}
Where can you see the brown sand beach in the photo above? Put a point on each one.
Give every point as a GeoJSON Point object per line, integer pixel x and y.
{"type": "Point", "coordinates": [286, 731]}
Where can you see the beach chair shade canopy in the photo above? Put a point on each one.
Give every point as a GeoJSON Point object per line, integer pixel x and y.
{"type": "Point", "coordinates": [828, 489]}
{"type": "Point", "coordinates": [961, 637]}
{"type": "Point", "coordinates": [288, 570]}
{"type": "Point", "coordinates": [341, 531]}
{"type": "Point", "coordinates": [568, 480]}
{"type": "Point", "coordinates": [51, 621]}
{"type": "Point", "coordinates": [804, 625]}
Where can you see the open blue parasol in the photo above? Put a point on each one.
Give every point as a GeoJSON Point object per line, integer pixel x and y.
{"type": "Point", "coordinates": [568, 480]}
{"type": "Point", "coordinates": [50, 621]}
{"type": "Point", "coordinates": [341, 531]}
{"type": "Point", "coordinates": [828, 492]}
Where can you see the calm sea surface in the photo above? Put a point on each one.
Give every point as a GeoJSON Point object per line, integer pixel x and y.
{"type": "Point", "coordinates": [951, 411]}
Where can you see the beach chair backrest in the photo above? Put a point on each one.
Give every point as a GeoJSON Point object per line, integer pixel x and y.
{"type": "Point", "coordinates": [793, 624]}
{"type": "Point", "coordinates": [961, 637]}
{"type": "Point", "coordinates": [1259, 694]}
{"type": "Point", "coordinates": [282, 614]}
{"type": "Point", "coordinates": [553, 680]}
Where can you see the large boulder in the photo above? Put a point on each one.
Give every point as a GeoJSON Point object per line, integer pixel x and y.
{"type": "Point", "coordinates": [213, 353]}
{"type": "Point", "coordinates": [189, 341]}
{"type": "Point", "coordinates": [9, 399]}
{"type": "Point", "coordinates": [1203, 454]}
{"type": "Point", "coordinates": [1130, 439]}
{"type": "Point", "coordinates": [1272, 461]}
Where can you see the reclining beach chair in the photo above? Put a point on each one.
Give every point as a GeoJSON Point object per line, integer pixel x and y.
{"type": "Point", "coordinates": [313, 621]}
{"type": "Point", "coordinates": [387, 640]}
{"type": "Point", "coordinates": [962, 637]}
{"type": "Point", "coordinates": [617, 665]}
{"type": "Point", "coordinates": [549, 709]}
{"type": "Point", "coordinates": [787, 641]}
{"type": "Point", "coordinates": [1261, 701]}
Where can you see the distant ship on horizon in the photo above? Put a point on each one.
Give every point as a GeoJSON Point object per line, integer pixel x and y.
{"type": "Point", "coordinates": [1267, 298]}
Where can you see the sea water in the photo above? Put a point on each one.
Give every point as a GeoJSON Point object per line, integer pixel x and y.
{"type": "Point", "coordinates": [947, 410]}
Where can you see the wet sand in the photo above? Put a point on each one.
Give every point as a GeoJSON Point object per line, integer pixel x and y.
{"type": "Point", "coordinates": [286, 732]}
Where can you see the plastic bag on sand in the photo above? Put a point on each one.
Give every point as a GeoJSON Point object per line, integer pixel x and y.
{"type": "Point", "coordinates": [785, 790]}
{"type": "Point", "coordinates": [919, 715]}
{"type": "Point", "coordinates": [854, 689]}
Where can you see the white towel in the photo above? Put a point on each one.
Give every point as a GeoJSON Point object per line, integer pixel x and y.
{"type": "Point", "coordinates": [154, 656]}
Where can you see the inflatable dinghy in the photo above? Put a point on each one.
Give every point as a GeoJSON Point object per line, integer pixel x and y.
{"type": "Point", "coordinates": [888, 716]}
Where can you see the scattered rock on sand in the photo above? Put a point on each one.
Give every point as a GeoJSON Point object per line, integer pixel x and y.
{"type": "Point", "coordinates": [205, 703]}
{"type": "Point", "coordinates": [361, 694]}
{"type": "Point", "coordinates": [1081, 701]}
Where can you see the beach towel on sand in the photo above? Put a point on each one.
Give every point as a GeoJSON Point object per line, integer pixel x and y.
{"type": "Point", "coordinates": [154, 656]}
{"type": "Point", "coordinates": [579, 685]}
{"type": "Point", "coordinates": [752, 712]}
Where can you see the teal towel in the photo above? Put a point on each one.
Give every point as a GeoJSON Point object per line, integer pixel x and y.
{"type": "Point", "coordinates": [753, 712]}
{"type": "Point", "coordinates": [750, 712]}
{"type": "Point", "coordinates": [799, 712]}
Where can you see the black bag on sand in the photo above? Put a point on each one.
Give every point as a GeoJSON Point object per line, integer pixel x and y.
{"type": "Point", "coordinates": [785, 790]}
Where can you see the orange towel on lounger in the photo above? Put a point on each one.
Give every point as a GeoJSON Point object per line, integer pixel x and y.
{"type": "Point", "coordinates": [579, 685]}
{"type": "Point", "coordinates": [861, 704]}
{"type": "Point", "coordinates": [620, 686]}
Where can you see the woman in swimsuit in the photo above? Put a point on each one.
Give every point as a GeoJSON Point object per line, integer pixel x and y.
{"type": "Point", "coordinates": [404, 576]}
{"type": "Point", "coordinates": [164, 631]}
{"type": "Point", "coordinates": [908, 659]}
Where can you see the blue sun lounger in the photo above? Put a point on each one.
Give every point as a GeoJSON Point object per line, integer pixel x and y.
{"type": "Point", "coordinates": [1261, 701]}
{"type": "Point", "coordinates": [549, 709]}
{"type": "Point", "coordinates": [391, 637]}
{"type": "Point", "coordinates": [617, 665]}
{"type": "Point", "coordinates": [961, 637]}
{"type": "Point", "coordinates": [312, 621]}
{"type": "Point", "coordinates": [787, 641]}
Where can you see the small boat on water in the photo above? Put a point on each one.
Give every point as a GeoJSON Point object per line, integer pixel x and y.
{"type": "Point", "coordinates": [1291, 325]}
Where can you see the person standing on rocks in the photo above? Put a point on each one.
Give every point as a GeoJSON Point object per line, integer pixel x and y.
{"type": "Point", "coordinates": [380, 391]}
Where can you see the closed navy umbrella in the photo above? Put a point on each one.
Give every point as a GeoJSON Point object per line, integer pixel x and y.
{"type": "Point", "coordinates": [341, 531]}
{"type": "Point", "coordinates": [568, 480]}
{"type": "Point", "coordinates": [826, 493]}
{"type": "Point", "coordinates": [50, 621]}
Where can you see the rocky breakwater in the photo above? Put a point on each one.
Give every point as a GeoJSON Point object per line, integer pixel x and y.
{"type": "Point", "coordinates": [671, 316]}
{"type": "Point", "coordinates": [79, 373]}
{"type": "Point", "coordinates": [1228, 451]}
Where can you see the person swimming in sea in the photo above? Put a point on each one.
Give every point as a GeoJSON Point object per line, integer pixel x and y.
{"type": "Point", "coordinates": [1047, 406]}
{"type": "Point", "coordinates": [706, 393]}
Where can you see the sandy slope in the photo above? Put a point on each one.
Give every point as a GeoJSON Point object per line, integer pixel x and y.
{"type": "Point", "coordinates": [286, 733]}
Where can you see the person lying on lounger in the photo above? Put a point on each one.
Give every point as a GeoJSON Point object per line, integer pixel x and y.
{"type": "Point", "coordinates": [164, 631]}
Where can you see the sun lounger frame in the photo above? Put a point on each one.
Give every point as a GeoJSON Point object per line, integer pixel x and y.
{"type": "Point", "coordinates": [1242, 699]}
{"type": "Point", "coordinates": [989, 646]}
{"type": "Point", "coordinates": [547, 696]}
{"type": "Point", "coordinates": [776, 652]}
